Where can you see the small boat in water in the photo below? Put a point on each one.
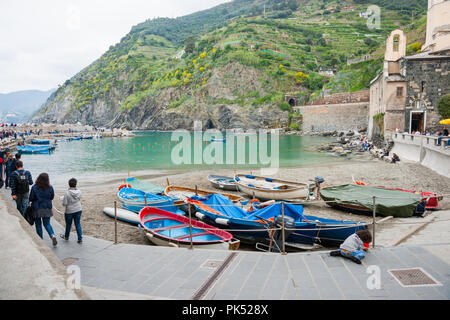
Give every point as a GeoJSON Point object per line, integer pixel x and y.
{"type": "Point", "coordinates": [359, 199]}
{"type": "Point", "coordinates": [224, 183]}
{"type": "Point", "coordinates": [135, 200]}
{"type": "Point", "coordinates": [122, 215]}
{"type": "Point", "coordinates": [28, 149]}
{"type": "Point", "coordinates": [184, 193]}
{"type": "Point", "coordinates": [168, 229]}
{"type": "Point", "coordinates": [272, 189]}
{"type": "Point", "coordinates": [40, 142]}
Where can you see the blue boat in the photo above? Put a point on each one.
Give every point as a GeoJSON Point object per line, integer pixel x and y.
{"type": "Point", "coordinates": [40, 142]}
{"type": "Point", "coordinates": [134, 200]}
{"type": "Point", "coordinates": [75, 138]}
{"type": "Point", "coordinates": [218, 211]}
{"type": "Point", "coordinates": [35, 149]}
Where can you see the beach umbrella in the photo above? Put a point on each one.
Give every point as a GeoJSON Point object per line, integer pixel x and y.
{"type": "Point", "coordinates": [446, 121]}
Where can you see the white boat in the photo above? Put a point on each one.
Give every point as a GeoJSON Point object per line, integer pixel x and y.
{"type": "Point", "coordinates": [123, 215]}
{"type": "Point", "coordinates": [272, 189]}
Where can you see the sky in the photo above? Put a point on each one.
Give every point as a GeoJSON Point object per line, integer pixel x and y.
{"type": "Point", "coordinates": [43, 43]}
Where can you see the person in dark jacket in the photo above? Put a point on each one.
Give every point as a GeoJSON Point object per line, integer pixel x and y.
{"type": "Point", "coordinates": [41, 196]}
{"type": "Point", "coordinates": [9, 168]}
{"type": "Point", "coordinates": [21, 181]}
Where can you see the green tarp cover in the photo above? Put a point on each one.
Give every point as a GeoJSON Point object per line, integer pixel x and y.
{"type": "Point", "coordinates": [388, 202]}
{"type": "Point", "coordinates": [144, 186]}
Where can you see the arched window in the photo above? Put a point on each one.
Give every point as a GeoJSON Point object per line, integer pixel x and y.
{"type": "Point", "coordinates": [396, 43]}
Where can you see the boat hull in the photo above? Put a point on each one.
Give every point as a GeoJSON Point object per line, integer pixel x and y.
{"type": "Point", "coordinates": [183, 193]}
{"type": "Point", "coordinates": [168, 229]}
{"type": "Point", "coordinates": [266, 191]}
{"type": "Point", "coordinates": [123, 215]}
{"type": "Point", "coordinates": [223, 183]}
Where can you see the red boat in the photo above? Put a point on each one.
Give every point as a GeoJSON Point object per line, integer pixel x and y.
{"type": "Point", "coordinates": [169, 229]}
{"type": "Point", "coordinates": [431, 199]}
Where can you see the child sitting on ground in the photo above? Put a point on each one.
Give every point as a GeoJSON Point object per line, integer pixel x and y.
{"type": "Point", "coordinates": [355, 246]}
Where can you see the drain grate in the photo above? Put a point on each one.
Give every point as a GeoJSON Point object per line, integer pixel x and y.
{"type": "Point", "coordinates": [414, 277]}
{"type": "Point", "coordinates": [68, 261]}
{"type": "Point", "coordinates": [212, 264]}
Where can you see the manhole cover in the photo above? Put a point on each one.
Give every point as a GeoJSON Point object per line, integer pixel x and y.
{"type": "Point", "coordinates": [213, 264]}
{"type": "Point", "coordinates": [414, 277]}
{"type": "Point", "coordinates": [69, 261]}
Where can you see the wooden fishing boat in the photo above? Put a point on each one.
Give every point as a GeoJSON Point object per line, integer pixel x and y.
{"type": "Point", "coordinates": [223, 183]}
{"type": "Point", "coordinates": [184, 193]}
{"type": "Point", "coordinates": [250, 226]}
{"type": "Point", "coordinates": [272, 189]}
{"type": "Point", "coordinates": [168, 229]}
{"type": "Point", "coordinates": [135, 200]}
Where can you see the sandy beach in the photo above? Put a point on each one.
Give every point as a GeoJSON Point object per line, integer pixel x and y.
{"type": "Point", "coordinates": [402, 175]}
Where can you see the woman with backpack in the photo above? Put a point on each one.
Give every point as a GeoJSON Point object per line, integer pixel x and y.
{"type": "Point", "coordinates": [41, 196]}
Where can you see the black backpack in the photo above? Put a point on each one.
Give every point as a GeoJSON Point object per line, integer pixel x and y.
{"type": "Point", "coordinates": [22, 185]}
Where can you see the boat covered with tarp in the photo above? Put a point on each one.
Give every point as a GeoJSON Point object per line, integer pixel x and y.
{"type": "Point", "coordinates": [135, 200]}
{"type": "Point", "coordinates": [183, 193]}
{"type": "Point", "coordinates": [169, 229]}
{"type": "Point", "coordinates": [250, 226]}
{"type": "Point", "coordinates": [360, 198]}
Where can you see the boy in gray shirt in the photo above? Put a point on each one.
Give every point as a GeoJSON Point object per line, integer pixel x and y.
{"type": "Point", "coordinates": [355, 246]}
{"type": "Point", "coordinates": [72, 202]}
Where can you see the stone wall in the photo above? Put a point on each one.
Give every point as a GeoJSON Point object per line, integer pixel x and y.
{"type": "Point", "coordinates": [427, 81]}
{"type": "Point", "coordinates": [340, 98]}
{"type": "Point", "coordinates": [335, 117]}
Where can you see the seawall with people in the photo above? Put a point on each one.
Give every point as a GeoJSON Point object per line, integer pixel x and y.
{"type": "Point", "coordinates": [424, 150]}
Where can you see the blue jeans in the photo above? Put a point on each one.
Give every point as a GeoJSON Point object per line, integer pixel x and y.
{"type": "Point", "coordinates": [76, 217]}
{"type": "Point", "coordinates": [22, 203]}
{"type": "Point", "coordinates": [46, 221]}
{"type": "Point", "coordinates": [358, 254]}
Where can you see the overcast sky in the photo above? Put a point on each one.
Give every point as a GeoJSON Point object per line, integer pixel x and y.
{"type": "Point", "coordinates": [45, 42]}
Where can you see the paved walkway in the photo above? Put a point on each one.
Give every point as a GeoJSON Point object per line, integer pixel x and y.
{"type": "Point", "coordinates": [28, 269]}
{"type": "Point", "coordinates": [126, 271]}
{"type": "Point", "coordinates": [149, 272]}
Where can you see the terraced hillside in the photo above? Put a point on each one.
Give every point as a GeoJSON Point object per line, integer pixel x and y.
{"type": "Point", "coordinates": [230, 66]}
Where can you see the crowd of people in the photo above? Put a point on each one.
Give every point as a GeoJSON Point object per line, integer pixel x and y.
{"type": "Point", "coordinates": [34, 199]}
{"type": "Point", "coordinates": [365, 145]}
{"type": "Point", "coordinates": [442, 134]}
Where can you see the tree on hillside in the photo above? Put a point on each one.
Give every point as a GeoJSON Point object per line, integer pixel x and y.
{"type": "Point", "coordinates": [292, 4]}
{"type": "Point", "coordinates": [189, 45]}
{"type": "Point", "coordinates": [444, 106]}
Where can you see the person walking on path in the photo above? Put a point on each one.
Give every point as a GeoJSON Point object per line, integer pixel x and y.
{"type": "Point", "coordinates": [9, 168]}
{"type": "Point", "coordinates": [21, 181]}
{"type": "Point", "coordinates": [41, 196]}
{"type": "Point", "coordinates": [72, 202]}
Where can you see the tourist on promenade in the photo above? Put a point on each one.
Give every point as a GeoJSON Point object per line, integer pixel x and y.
{"type": "Point", "coordinates": [9, 168]}
{"type": "Point", "coordinates": [395, 158]}
{"type": "Point", "coordinates": [41, 196]}
{"type": "Point", "coordinates": [72, 201]}
{"type": "Point", "coordinates": [21, 181]}
{"type": "Point", "coordinates": [442, 134]}
{"type": "Point", "coordinates": [355, 246]}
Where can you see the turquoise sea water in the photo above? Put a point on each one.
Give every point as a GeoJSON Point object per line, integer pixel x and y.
{"type": "Point", "coordinates": [153, 152]}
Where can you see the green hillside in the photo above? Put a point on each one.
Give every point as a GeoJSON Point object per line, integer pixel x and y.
{"type": "Point", "coordinates": [286, 43]}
